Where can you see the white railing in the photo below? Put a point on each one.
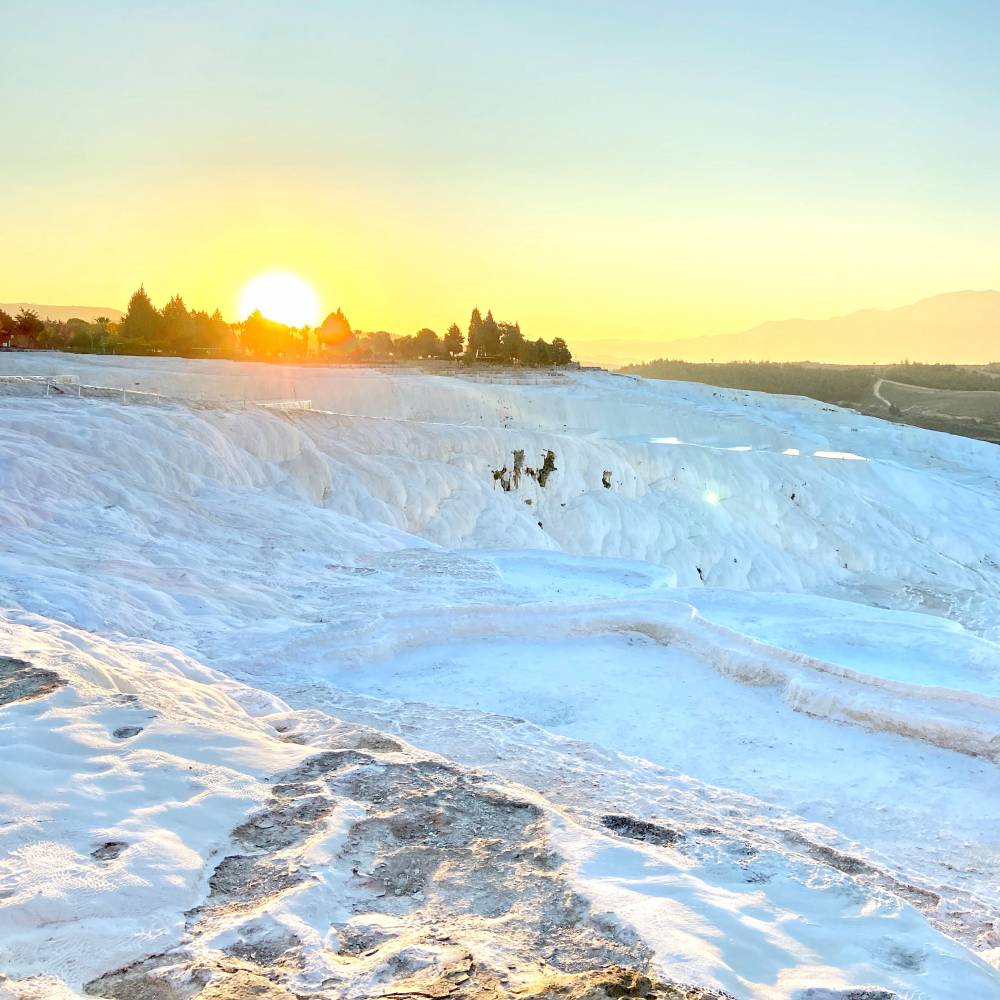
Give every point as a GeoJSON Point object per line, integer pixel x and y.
{"type": "Point", "coordinates": [284, 404]}
{"type": "Point", "coordinates": [508, 377]}
{"type": "Point", "coordinates": [39, 379]}
{"type": "Point", "coordinates": [70, 387]}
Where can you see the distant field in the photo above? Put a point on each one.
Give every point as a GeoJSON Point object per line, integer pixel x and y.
{"type": "Point", "coordinates": [970, 412]}
{"type": "Point", "coordinates": [979, 405]}
{"type": "Point", "coordinates": [959, 399]}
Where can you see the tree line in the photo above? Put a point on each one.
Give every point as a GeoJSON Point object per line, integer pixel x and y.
{"type": "Point", "coordinates": [177, 330]}
{"type": "Point", "coordinates": [25, 326]}
{"type": "Point", "coordinates": [488, 341]}
{"type": "Point", "coordinates": [144, 329]}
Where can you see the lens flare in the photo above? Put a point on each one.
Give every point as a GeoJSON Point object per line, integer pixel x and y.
{"type": "Point", "coordinates": [285, 298]}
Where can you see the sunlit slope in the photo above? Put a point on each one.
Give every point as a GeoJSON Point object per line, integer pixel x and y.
{"type": "Point", "coordinates": [175, 829]}
{"type": "Point", "coordinates": [722, 488]}
{"type": "Point", "coordinates": [787, 607]}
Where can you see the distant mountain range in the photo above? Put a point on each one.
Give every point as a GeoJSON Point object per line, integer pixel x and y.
{"type": "Point", "coordinates": [89, 313]}
{"type": "Point", "coordinates": [958, 327]}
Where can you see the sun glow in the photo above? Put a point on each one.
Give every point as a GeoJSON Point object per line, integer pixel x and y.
{"type": "Point", "coordinates": [283, 297]}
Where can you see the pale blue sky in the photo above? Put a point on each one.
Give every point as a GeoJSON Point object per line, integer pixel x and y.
{"type": "Point", "coordinates": [749, 160]}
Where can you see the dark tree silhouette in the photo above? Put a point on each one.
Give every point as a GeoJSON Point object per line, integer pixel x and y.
{"type": "Point", "coordinates": [511, 341]}
{"type": "Point", "coordinates": [474, 343]}
{"type": "Point", "coordinates": [453, 341]}
{"type": "Point", "coordinates": [178, 327]}
{"type": "Point", "coordinates": [28, 323]}
{"type": "Point", "coordinates": [560, 353]}
{"type": "Point", "coordinates": [427, 344]}
{"type": "Point", "coordinates": [490, 346]}
{"type": "Point", "coordinates": [142, 326]}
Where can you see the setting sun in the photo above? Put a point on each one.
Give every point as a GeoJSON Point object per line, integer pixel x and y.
{"type": "Point", "coordinates": [285, 298]}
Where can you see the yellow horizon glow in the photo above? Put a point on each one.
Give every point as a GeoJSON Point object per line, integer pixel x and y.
{"type": "Point", "coordinates": [645, 285]}
{"type": "Point", "coordinates": [281, 296]}
{"type": "Point", "coordinates": [672, 173]}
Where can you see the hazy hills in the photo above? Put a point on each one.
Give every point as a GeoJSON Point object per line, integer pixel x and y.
{"type": "Point", "coordinates": [958, 327]}
{"type": "Point", "coordinates": [88, 313]}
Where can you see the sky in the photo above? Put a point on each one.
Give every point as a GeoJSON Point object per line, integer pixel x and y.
{"type": "Point", "coordinates": [620, 170]}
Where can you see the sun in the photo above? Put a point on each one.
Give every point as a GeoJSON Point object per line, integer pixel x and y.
{"type": "Point", "coordinates": [283, 297]}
